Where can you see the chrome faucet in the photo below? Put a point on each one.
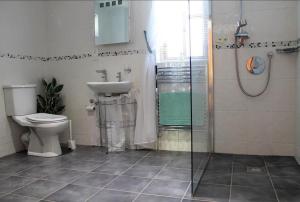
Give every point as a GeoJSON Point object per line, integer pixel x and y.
{"type": "Point", "coordinates": [104, 72]}
{"type": "Point", "coordinates": [127, 70]}
{"type": "Point", "coordinates": [119, 76]}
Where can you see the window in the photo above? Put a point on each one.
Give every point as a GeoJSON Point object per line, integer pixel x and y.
{"type": "Point", "coordinates": [172, 24]}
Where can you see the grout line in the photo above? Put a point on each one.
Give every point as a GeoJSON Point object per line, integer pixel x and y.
{"type": "Point", "coordinates": [231, 179]}
{"type": "Point", "coordinates": [270, 178]}
{"type": "Point", "coordinates": [22, 196]}
{"type": "Point", "coordinates": [120, 174]}
{"type": "Point", "coordinates": [11, 192]}
{"type": "Point", "coordinates": [72, 181]}
{"type": "Point", "coordinates": [64, 184]}
{"type": "Point", "coordinates": [187, 189]}
{"type": "Point", "coordinates": [147, 185]}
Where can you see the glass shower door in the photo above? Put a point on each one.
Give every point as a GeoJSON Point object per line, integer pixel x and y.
{"type": "Point", "coordinates": [201, 87]}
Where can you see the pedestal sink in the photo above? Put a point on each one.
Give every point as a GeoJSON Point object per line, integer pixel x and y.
{"type": "Point", "coordinates": [110, 88]}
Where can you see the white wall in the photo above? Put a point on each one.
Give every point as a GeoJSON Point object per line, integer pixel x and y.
{"type": "Point", "coordinates": [71, 31]}
{"type": "Point", "coordinates": [264, 125]}
{"type": "Point", "coordinates": [297, 139]}
{"type": "Point", "coordinates": [22, 31]}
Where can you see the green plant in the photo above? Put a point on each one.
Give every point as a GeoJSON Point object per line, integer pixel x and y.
{"type": "Point", "coordinates": [50, 101]}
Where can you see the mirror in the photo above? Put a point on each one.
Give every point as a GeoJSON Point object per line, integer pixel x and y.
{"type": "Point", "coordinates": [255, 65]}
{"type": "Point", "coordinates": [111, 21]}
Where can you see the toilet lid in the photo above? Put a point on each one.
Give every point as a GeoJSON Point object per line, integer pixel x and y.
{"type": "Point", "coordinates": [43, 117]}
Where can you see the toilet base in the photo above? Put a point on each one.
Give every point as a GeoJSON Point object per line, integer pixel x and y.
{"type": "Point", "coordinates": [43, 144]}
{"type": "Point", "coordinates": [46, 154]}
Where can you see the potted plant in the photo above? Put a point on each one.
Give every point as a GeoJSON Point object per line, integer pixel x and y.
{"type": "Point", "coordinates": [50, 101]}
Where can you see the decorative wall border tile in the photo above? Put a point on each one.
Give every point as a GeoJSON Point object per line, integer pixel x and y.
{"type": "Point", "coordinates": [265, 44]}
{"type": "Point", "coordinates": [101, 53]}
{"type": "Point", "coordinates": [23, 57]}
{"type": "Point", "coordinates": [97, 53]}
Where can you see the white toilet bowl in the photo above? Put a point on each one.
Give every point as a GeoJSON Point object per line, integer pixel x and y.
{"type": "Point", "coordinates": [44, 133]}
{"type": "Point", "coordinates": [21, 104]}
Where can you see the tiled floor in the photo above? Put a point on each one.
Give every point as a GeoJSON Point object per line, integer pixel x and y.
{"type": "Point", "coordinates": [240, 178]}
{"type": "Point", "coordinates": [88, 174]}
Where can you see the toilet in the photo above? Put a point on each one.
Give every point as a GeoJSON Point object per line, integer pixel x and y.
{"type": "Point", "coordinates": [44, 129]}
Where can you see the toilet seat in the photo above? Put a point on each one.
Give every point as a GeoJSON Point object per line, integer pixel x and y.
{"type": "Point", "coordinates": [24, 121]}
{"type": "Point", "coordinates": [45, 118]}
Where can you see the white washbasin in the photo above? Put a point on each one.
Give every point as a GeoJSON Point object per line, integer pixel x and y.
{"type": "Point", "coordinates": [109, 88]}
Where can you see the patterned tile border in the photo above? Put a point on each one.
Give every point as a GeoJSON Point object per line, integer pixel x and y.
{"type": "Point", "coordinates": [266, 44]}
{"type": "Point", "coordinates": [98, 53]}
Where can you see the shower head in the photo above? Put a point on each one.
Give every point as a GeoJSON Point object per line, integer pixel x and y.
{"type": "Point", "coordinates": [239, 33]}
{"type": "Point", "coordinates": [240, 24]}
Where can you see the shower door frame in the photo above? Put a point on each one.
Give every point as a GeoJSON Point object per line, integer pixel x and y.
{"type": "Point", "coordinates": [210, 98]}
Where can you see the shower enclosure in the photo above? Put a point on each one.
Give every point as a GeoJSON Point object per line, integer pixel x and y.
{"type": "Point", "coordinates": [184, 79]}
{"type": "Point", "coordinates": [201, 84]}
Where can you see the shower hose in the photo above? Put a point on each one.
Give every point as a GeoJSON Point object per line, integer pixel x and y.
{"type": "Point", "coordinates": [270, 55]}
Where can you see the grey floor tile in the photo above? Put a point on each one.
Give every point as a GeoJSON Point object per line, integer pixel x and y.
{"type": "Point", "coordinates": [124, 159]}
{"type": "Point", "coordinates": [73, 193]}
{"type": "Point", "coordinates": [113, 196]}
{"type": "Point", "coordinates": [241, 169]}
{"type": "Point", "coordinates": [155, 161]}
{"type": "Point", "coordinates": [167, 188]}
{"type": "Point", "coordinates": [85, 148]}
{"type": "Point", "coordinates": [252, 194]}
{"type": "Point", "coordinates": [64, 175]}
{"type": "Point", "coordinates": [180, 162]}
{"type": "Point", "coordinates": [14, 168]}
{"type": "Point", "coordinates": [35, 160]}
{"type": "Point", "coordinates": [85, 166]}
{"type": "Point", "coordinates": [165, 154]}
{"type": "Point", "coordinates": [14, 157]}
{"type": "Point", "coordinates": [216, 193]}
{"type": "Point", "coordinates": [152, 198]}
{"type": "Point", "coordinates": [133, 152]}
{"type": "Point", "coordinates": [169, 173]}
{"type": "Point", "coordinates": [288, 195]}
{"type": "Point", "coordinates": [210, 177]}
{"type": "Point", "coordinates": [282, 171]}
{"type": "Point", "coordinates": [95, 180]}
{"type": "Point", "coordinates": [38, 171]}
{"type": "Point", "coordinates": [249, 160]}
{"type": "Point", "coordinates": [188, 194]}
{"type": "Point", "coordinates": [94, 156]}
{"type": "Point", "coordinates": [286, 182]}
{"type": "Point", "coordinates": [219, 164]}
{"type": "Point", "coordinates": [226, 157]}
{"type": "Point", "coordinates": [114, 168]}
{"type": "Point", "coordinates": [12, 183]}
{"type": "Point", "coordinates": [183, 154]}
{"type": "Point", "coordinates": [280, 161]}
{"type": "Point", "coordinates": [128, 183]}
{"type": "Point", "coordinates": [17, 198]}
{"type": "Point", "coordinates": [3, 177]}
{"type": "Point", "coordinates": [143, 171]}
{"type": "Point", "coordinates": [39, 189]}
{"type": "Point", "coordinates": [252, 180]}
